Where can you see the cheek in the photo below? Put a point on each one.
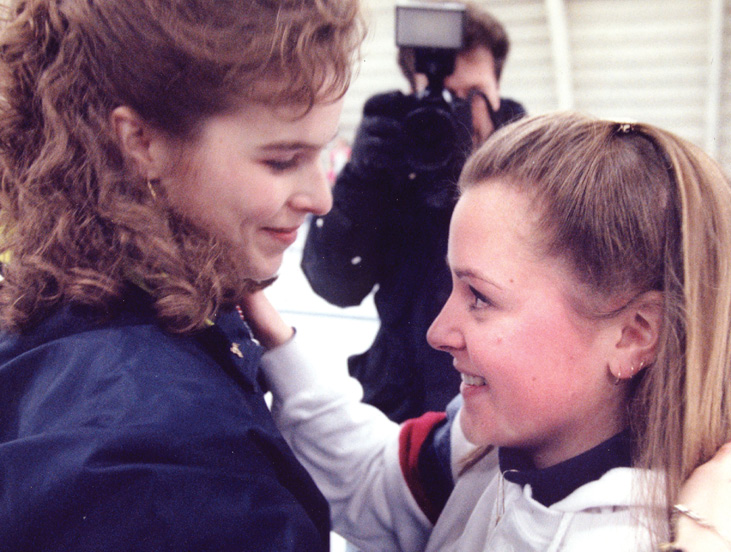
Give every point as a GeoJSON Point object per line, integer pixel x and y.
{"type": "Point", "coordinates": [552, 334]}
{"type": "Point", "coordinates": [530, 360]}
{"type": "Point", "coordinates": [240, 195]}
{"type": "Point", "coordinates": [554, 364]}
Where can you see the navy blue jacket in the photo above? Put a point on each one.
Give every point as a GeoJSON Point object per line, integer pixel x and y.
{"type": "Point", "coordinates": [119, 436]}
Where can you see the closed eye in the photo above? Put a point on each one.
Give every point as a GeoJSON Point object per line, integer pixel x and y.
{"type": "Point", "coordinates": [281, 165]}
{"type": "Point", "coordinates": [479, 300]}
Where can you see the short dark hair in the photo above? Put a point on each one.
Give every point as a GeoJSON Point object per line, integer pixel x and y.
{"type": "Point", "coordinates": [481, 29]}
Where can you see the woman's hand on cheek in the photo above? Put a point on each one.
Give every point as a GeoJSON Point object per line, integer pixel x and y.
{"type": "Point", "coordinates": [267, 324]}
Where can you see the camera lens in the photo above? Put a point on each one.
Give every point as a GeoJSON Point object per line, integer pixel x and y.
{"type": "Point", "coordinates": [431, 135]}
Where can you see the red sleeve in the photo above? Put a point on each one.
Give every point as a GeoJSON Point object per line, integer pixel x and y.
{"type": "Point", "coordinates": [413, 434]}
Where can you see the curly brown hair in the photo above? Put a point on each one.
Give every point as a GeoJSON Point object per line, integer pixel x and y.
{"type": "Point", "coordinates": [79, 223]}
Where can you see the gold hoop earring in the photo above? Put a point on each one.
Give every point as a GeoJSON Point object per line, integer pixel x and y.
{"type": "Point", "coordinates": [618, 378]}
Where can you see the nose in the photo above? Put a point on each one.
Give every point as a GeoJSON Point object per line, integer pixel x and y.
{"type": "Point", "coordinates": [444, 333]}
{"type": "Point", "coordinates": [314, 193]}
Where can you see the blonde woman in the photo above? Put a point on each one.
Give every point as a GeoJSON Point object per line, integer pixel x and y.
{"type": "Point", "coordinates": [589, 319]}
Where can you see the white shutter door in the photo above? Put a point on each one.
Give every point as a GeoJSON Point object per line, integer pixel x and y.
{"type": "Point", "coordinates": [642, 60]}
{"type": "Point", "coordinates": [528, 76]}
{"type": "Point", "coordinates": [724, 146]}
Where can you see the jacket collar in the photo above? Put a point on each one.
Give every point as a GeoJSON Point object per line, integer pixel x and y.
{"type": "Point", "coordinates": [549, 485]}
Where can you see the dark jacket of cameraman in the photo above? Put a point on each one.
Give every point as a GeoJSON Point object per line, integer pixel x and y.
{"type": "Point", "coordinates": [388, 228]}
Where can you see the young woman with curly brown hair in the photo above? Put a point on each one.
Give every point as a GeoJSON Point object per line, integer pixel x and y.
{"type": "Point", "coordinates": [157, 158]}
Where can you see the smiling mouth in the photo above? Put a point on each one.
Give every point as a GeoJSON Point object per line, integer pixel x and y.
{"type": "Point", "coordinates": [286, 236]}
{"type": "Point", "coordinates": [289, 230]}
{"type": "Point", "coordinates": [475, 381]}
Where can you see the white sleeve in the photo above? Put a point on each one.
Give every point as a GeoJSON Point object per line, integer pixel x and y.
{"type": "Point", "coordinates": [350, 449]}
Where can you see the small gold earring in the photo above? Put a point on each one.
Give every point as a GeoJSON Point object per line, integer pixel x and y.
{"type": "Point", "coordinates": [619, 376]}
{"type": "Point", "coordinates": [151, 186]}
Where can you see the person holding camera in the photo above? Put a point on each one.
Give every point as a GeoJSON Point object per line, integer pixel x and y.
{"type": "Point", "coordinates": [390, 217]}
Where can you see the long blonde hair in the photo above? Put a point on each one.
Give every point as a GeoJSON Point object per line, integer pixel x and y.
{"type": "Point", "coordinates": [633, 208]}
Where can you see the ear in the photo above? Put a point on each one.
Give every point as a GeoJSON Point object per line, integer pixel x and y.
{"type": "Point", "coordinates": [639, 326]}
{"type": "Point", "coordinates": [144, 145]}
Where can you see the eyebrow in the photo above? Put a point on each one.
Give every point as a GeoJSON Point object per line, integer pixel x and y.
{"type": "Point", "coordinates": [289, 146]}
{"type": "Point", "coordinates": [471, 274]}
{"type": "Point", "coordinates": [296, 145]}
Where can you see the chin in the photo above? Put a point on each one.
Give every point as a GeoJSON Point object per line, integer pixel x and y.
{"type": "Point", "coordinates": [468, 429]}
{"type": "Point", "coordinates": [262, 280]}
{"type": "Point", "coordinates": [264, 269]}
{"type": "Point", "coordinates": [258, 285]}
{"type": "Point", "coordinates": [474, 431]}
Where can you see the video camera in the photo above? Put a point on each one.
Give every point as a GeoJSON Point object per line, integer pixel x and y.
{"type": "Point", "coordinates": [439, 130]}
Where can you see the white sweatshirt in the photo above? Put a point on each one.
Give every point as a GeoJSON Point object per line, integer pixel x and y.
{"type": "Point", "coordinates": [352, 451]}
